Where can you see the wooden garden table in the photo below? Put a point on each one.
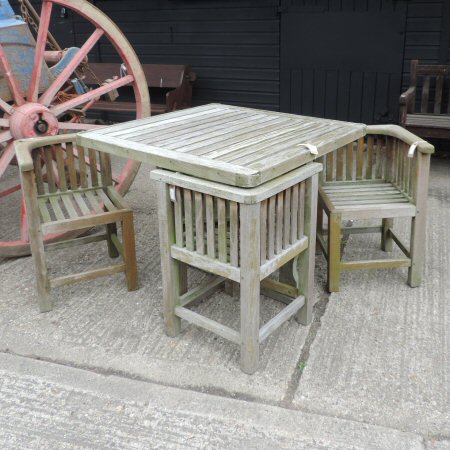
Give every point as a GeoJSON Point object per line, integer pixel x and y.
{"type": "Point", "coordinates": [229, 144]}
{"type": "Point", "coordinates": [238, 199]}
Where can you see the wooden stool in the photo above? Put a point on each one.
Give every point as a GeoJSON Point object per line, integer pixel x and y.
{"type": "Point", "coordinates": [243, 235]}
{"type": "Point", "coordinates": [67, 189]}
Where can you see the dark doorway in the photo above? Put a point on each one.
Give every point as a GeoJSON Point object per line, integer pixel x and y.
{"type": "Point", "coordinates": [342, 59]}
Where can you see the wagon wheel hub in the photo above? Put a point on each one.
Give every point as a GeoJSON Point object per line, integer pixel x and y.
{"type": "Point", "coordinates": [32, 120]}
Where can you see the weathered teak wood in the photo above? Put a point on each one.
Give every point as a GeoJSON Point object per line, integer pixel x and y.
{"type": "Point", "coordinates": [424, 110]}
{"type": "Point", "coordinates": [250, 233]}
{"type": "Point", "coordinates": [392, 183]}
{"type": "Point", "coordinates": [62, 195]}
{"type": "Point", "coordinates": [237, 146]}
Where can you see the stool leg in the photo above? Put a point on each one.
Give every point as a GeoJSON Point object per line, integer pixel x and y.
{"type": "Point", "coordinates": [306, 260]}
{"type": "Point", "coordinates": [172, 273]}
{"type": "Point", "coordinates": [129, 252]}
{"type": "Point", "coordinates": [386, 239]}
{"type": "Point", "coordinates": [334, 252]}
{"type": "Point", "coordinates": [250, 286]}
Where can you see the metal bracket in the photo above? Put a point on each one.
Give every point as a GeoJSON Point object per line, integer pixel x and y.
{"type": "Point", "coordinates": [413, 147]}
{"type": "Point", "coordinates": [172, 194]}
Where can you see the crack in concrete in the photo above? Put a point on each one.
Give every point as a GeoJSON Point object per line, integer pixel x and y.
{"type": "Point", "coordinates": [319, 310]}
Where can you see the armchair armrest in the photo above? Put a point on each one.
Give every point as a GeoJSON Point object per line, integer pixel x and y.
{"type": "Point", "coordinates": [23, 148]}
{"type": "Point", "coordinates": [23, 155]}
{"type": "Point", "coordinates": [402, 134]}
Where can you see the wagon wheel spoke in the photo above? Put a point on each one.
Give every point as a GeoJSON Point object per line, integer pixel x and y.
{"type": "Point", "coordinates": [57, 110]}
{"type": "Point", "coordinates": [5, 136]}
{"type": "Point", "coordinates": [13, 85]}
{"type": "Point", "coordinates": [54, 88]}
{"type": "Point", "coordinates": [10, 190]}
{"type": "Point", "coordinates": [6, 107]}
{"type": "Point", "coordinates": [6, 157]}
{"type": "Point", "coordinates": [41, 42]}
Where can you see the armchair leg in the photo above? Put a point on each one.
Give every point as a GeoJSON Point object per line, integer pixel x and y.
{"type": "Point", "coordinates": [417, 251]}
{"type": "Point", "coordinates": [36, 243]}
{"type": "Point", "coordinates": [386, 239]}
{"type": "Point", "coordinates": [129, 252]}
{"type": "Point", "coordinates": [418, 223]}
{"type": "Point", "coordinates": [40, 269]}
{"type": "Point", "coordinates": [42, 281]}
{"type": "Point", "coordinates": [334, 252]}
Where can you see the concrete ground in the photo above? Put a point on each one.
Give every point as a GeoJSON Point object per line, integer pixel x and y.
{"type": "Point", "coordinates": [371, 372]}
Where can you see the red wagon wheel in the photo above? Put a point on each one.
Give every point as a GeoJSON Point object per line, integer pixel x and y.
{"type": "Point", "coordinates": [31, 111]}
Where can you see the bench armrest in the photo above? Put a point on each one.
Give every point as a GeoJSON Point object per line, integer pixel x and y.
{"type": "Point", "coordinates": [407, 96]}
{"type": "Point", "coordinates": [181, 97]}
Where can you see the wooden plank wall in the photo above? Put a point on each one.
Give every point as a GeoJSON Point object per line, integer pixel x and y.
{"type": "Point", "coordinates": [232, 45]}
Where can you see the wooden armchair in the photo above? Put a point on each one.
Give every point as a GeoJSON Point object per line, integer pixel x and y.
{"type": "Point", "coordinates": [66, 188]}
{"type": "Point", "coordinates": [381, 176]}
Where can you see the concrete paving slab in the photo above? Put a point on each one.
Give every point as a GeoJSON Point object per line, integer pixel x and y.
{"type": "Point", "coordinates": [102, 326]}
{"type": "Point", "coordinates": [382, 354]}
{"type": "Point", "coordinates": [43, 405]}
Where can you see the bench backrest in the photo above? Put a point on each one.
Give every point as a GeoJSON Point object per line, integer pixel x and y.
{"type": "Point", "coordinates": [157, 75]}
{"type": "Point", "coordinates": [432, 83]}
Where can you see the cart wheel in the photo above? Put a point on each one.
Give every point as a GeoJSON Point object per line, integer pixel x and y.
{"type": "Point", "coordinates": [34, 113]}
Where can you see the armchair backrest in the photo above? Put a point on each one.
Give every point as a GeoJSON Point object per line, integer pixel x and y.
{"type": "Point", "coordinates": [60, 165]}
{"type": "Point", "coordinates": [387, 153]}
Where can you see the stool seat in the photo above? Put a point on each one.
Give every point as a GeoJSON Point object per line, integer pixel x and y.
{"type": "Point", "coordinates": [240, 235]}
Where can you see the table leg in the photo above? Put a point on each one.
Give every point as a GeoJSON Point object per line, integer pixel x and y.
{"type": "Point", "coordinates": [250, 286]}
{"type": "Point", "coordinates": [306, 260]}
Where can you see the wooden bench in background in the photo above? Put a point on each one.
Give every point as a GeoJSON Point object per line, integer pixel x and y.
{"type": "Point", "coordinates": [170, 87]}
{"type": "Point", "coordinates": [425, 106]}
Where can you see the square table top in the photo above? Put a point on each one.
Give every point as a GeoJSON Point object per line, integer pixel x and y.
{"type": "Point", "coordinates": [228, 144]}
